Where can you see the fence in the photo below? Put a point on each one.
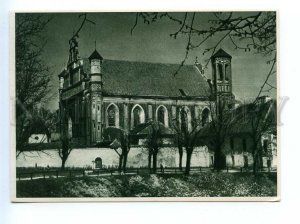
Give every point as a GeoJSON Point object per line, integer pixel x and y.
{"type": "Point", "coordinates": [129, 171]}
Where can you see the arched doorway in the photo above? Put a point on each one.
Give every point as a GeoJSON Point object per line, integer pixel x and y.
{"type": "Point", "coordinates": [98, 163]}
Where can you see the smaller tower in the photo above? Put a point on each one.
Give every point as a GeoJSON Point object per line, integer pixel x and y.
{"type": "Point", "coordinates": [96, 64]}
{"type": "Point", "coordinates": [222, 77]}
{"type": "Point", "coordinates": [96, 98]}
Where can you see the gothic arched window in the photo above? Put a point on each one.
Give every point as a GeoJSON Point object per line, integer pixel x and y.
{"type": "Point", "coordinates": [137, 115]}
{"type": "Point", "coordinates": [185, 119]}
{"type": "Point", "coordinates": [112, 116]}
{"type": "Point", "coordinates": [205, 116]}
{"type": "Point", "coordinates": [162, 115]}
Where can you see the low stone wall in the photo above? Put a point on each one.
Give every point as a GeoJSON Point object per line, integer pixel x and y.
{"type": "Point", "coordinates": [137, 157]}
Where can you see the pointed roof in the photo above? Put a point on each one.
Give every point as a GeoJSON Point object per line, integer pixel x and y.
{"type": "Point", "coordinates": [221, 53]}
{"type": "Point", "coordinates": [95, 55]}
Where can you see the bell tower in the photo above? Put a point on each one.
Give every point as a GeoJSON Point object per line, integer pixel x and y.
{"type": "Point", "coordinates": [96, 98]}
{"type": "Point", "coordinates": [222, 78]}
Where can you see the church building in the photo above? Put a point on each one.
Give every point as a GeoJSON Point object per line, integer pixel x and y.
{"type": "Point", "coordinates": [95, 93]}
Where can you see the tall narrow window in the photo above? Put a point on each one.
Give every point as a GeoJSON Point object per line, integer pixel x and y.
{"type": "Point", "coordinates": [220, 72]}
{"type": "Point", "coordinates": [205, 116]}
{"type": "Point", "coordinates": [227, 72]}
{"type": "Point", "coordinates": [111, 117]}
{"type": "Point", "coordinates": [137, 116]}
{"type": "Point", "coordinates": [162, 115]}
{"type": "Point", "coordinates": [185, 119]}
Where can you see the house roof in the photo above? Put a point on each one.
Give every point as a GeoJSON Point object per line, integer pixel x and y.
{"type": "Point", "coordinates": [260, 114]}
{"type": "Point", "coordinates": [150, 79]}
{"type": "Point", "coordinates": [147, 128]}
{"type": "Point", "coordinates": [221, 53]}
{"type": "Point", "coordinates": [241, 119]}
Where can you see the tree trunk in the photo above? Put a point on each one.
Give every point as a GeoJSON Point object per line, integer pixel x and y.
{"type": "Point", "coordinates": [180, 150]}
{"type": "Point", "coordinates": [260, 158]}
{"type": "Point", "coordinates": [220, 159]}
{"type": "Point", "coordinates": [63, 163]}
{"type": "Point", "coordinates": [154, 161]}
{"type": "Point", "coordinates": [149, 161]}
{"type": "Point", "coordinates": [255, 162]}
{"type": "Point", "coordinates": [188, 161]}
{"type": "Point", "coordinates": [120, 163]}
{"type": "Point", "coordinates": [125, 160]}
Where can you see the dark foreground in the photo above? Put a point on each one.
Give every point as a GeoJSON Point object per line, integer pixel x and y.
{"type": "Point", "coordinates": [196, 185]}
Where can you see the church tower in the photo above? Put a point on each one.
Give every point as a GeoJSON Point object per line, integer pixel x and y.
{"type": "Point", "coordinates": [96, 98]}
{"type": "Point", "coordinates": [222, 78]}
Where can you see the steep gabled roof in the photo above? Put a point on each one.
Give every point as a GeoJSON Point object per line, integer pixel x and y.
{"type": "Point", "coordinates": [221, 53]}
{"type": "Point", "coordinates": [150, 79]}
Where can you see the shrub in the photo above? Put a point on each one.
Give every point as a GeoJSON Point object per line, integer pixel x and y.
{"type": "Point", "coordinates": [196, 185]}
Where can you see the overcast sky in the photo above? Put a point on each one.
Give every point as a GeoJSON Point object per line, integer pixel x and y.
{"type": "Point", "coordinates": [149, 43]}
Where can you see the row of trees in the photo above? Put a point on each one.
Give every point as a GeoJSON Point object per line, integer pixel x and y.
{"type": "Point", "coordinates": [257, 119]}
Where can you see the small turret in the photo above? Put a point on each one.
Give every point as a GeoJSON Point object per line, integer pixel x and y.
{"type": "Point", "coordinates": [96, 62]}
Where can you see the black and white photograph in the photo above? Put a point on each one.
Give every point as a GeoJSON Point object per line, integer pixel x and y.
{"type": "Point", "coordinates": [143, 106]}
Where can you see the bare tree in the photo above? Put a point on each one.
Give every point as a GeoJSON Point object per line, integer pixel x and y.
{"type": "Point", "coordinates": [32, 74]}
{"type": "Point", "coordinates": [153, 143]}
{"type": "Point", "coordinates": [260, 119]}
{"type": "Point", "coordinates": [65, 150]}
{"type": "Point", "coordinates": [119, 140]}
{"type": "Point", "coordinates": [218, 130]}
{"type": "Point", "coordinates": [249, 32]}
{"type": "Point", "coordinates": [178, 140]}
{"type": "Point", "coordinates": [187, 136]}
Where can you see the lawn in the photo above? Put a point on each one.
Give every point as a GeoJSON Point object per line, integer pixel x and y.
{"type": "Point", "coordinates": [196, 185]}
